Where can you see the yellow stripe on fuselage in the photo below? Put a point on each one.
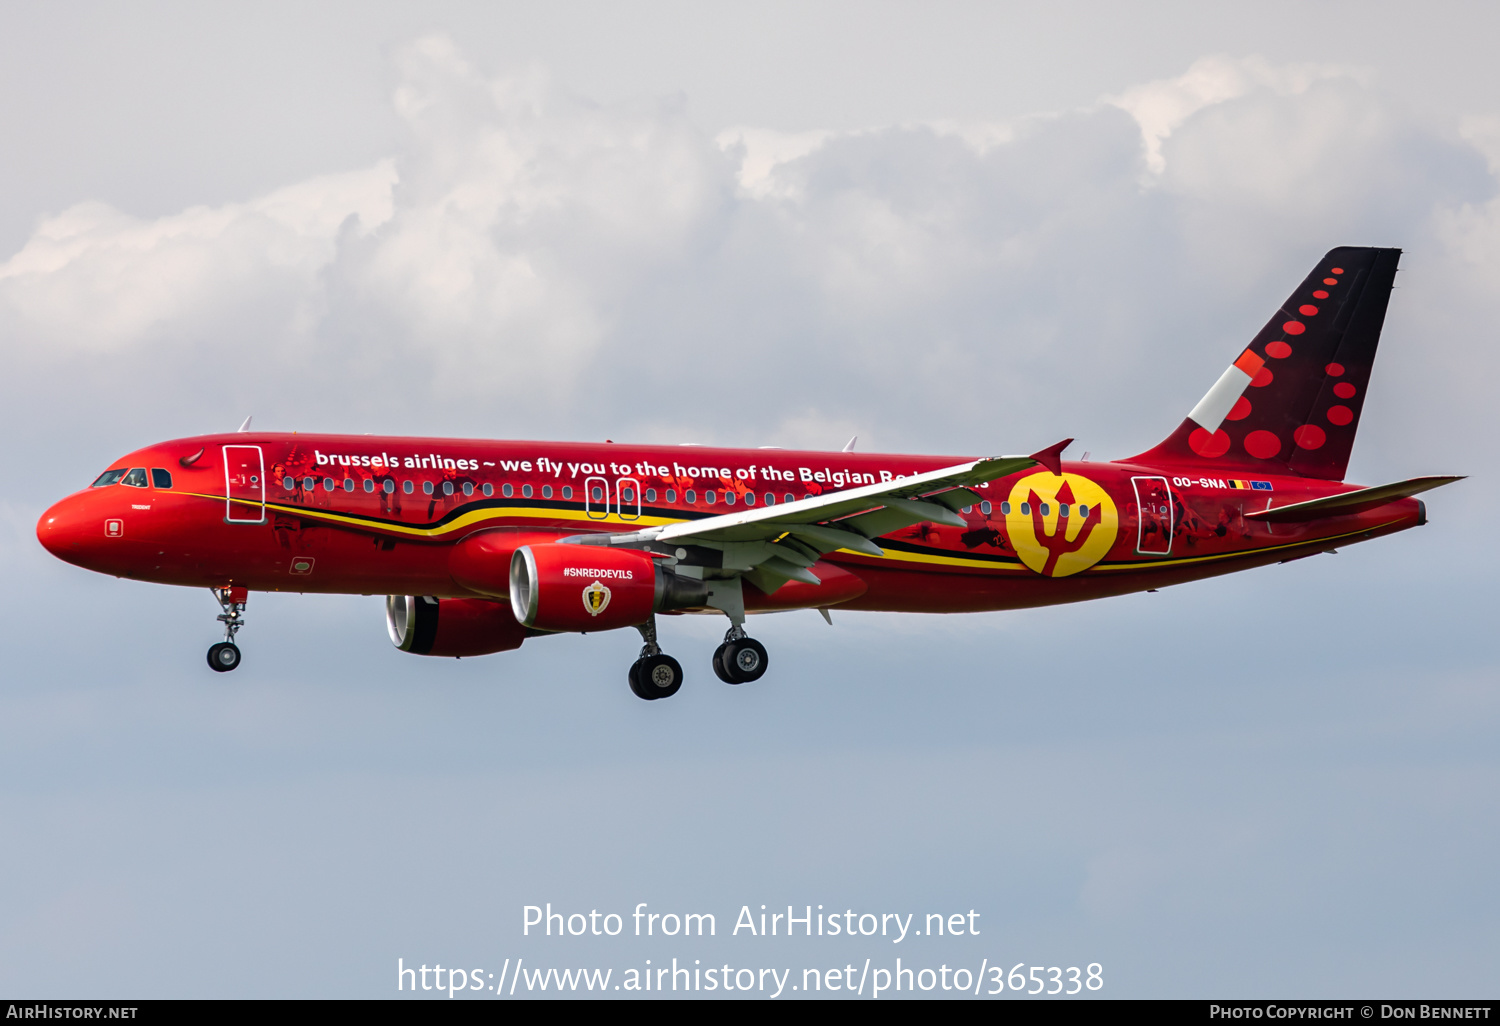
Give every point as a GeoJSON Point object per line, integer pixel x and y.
{"type": "Point", "coordinates": [468, 519]}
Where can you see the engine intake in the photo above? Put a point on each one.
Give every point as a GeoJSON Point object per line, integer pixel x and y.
{"type": "Point", "coordinates": [556, 587]}
{"type": "Point", "coordinates": [451, 627]}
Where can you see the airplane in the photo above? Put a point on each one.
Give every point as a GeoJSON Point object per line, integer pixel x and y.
{"type": "Point", "coordinates": [480, 545]}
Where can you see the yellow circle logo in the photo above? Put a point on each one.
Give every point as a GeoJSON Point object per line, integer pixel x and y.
{"type": "Point", "coordinates": [1060, 525]}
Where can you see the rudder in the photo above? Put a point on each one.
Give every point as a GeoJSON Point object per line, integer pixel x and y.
{"type": "Point", "coordinates": [1291, 401]}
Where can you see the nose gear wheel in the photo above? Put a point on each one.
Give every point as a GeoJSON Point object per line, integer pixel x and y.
{"type": "Point", "coordinates": [225, 656]}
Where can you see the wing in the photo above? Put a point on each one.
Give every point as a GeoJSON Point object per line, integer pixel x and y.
{"type": "Point", "coordinates": [770, 545]}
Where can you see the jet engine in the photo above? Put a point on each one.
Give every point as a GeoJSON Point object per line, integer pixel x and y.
{"type": "Point", "coordinates": [555, 587]}
{"type": "Point", "coordinates": [424, 625]}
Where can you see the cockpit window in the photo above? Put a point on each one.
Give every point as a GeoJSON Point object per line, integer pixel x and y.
{"type": "Point", "coordinates": [161, 478]}
{"type": "Point", "coordinates": [109, 477]}
{"type": "Point", "coordinates": [136, 478]}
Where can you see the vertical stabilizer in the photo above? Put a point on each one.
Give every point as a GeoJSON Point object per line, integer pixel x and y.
{"type": "Point", "coordinates": [1290, 402]}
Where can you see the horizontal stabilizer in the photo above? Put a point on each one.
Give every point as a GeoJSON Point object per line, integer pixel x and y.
{"type": "Point", "coordinates": [1349, 503]}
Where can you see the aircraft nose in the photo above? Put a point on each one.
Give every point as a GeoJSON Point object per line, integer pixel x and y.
{"type": "Point", "coordinates": [61, 530]}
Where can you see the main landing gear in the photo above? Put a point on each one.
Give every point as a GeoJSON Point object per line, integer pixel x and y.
{"type": "Point", "coordinates": [741, 659]}
{"type": "Point", "coordinates": [655, 674]}
{"type": "Point", "coordinates": [225, 656]}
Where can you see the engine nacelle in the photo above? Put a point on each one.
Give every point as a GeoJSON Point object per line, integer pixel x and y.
{"type": "Point", "coordinates": [451, 626]}
{"type": "Point", "coordinates": [592, 588]}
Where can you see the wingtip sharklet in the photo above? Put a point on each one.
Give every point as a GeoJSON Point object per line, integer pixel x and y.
{"type": "Point", "coordinates": [1051, 457]}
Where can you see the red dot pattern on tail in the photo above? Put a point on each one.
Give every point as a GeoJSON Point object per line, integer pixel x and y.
{"type": "Point", "coordinates": [1309, 436]}
{"type": "Point", "coordinates": [1209, 446]}
{"type": "Point", "coordinates": [1340, 415]}
{"type": "Point", "coordinates": [1263, 445]}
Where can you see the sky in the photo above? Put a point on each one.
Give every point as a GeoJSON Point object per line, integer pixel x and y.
{"type": "Point", "coordinates": [949, 228]}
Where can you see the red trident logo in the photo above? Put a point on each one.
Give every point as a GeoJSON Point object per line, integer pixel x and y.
{"type": "Point", "coordinates": [1060, 524]}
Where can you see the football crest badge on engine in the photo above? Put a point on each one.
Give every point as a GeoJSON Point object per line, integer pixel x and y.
{"type": "Point", "coordinates": [596, 598]}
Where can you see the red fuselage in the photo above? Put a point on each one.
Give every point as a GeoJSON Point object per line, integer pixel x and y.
{"type": "Point", "coordinates": [366, 515]}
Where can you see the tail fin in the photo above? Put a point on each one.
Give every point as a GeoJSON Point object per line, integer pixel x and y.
{"type": "Point", "coordinates": [1290, 403]}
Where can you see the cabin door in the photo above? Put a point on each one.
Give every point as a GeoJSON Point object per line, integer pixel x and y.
{"type": "Point", "coordinates": [1154, 502]}
{"type": "Point", "coordinates": [244, 485]}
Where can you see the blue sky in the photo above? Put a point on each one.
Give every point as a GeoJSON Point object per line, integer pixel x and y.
{"type": "Point", "coordinates": [947, 228]}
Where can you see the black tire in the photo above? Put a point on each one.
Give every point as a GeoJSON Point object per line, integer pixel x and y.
{"type": "Point", "coordinates": [721, 668]}
{"type": "Point", "coordinates": [746, 660]}
{"type": "Point", "coordinates": [660, 676]}
{"type": "Point", "coordinates": [636, 687]}
{"type": "Point", "coordinates": [223, 657]}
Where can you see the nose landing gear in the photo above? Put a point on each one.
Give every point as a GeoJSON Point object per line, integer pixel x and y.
{"type": "Point", "coordinates": [655, 674]}
{"type": "Point", "coordinates": [225, 656]}
{"type": "Point", "coordinates": [741, 659]}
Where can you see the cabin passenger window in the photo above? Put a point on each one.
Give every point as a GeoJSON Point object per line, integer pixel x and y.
{"type": "Point", "coordinates": [967, 510]}
{"type": "Point", "coordinates": [789, 497]}
{"type": "Point", "coordinates": [671, 495]}
{"type": "Point", "coordinates": [749, 498]}
{"type": "Point", "coordinates": [488, 490]}
{"type": "Point", "coordinates": [389, 486]}
{"type": "Point", "coordinates": [369, 485]}
{"type": "Point", "coordinates": [650, 494]}
{"type": "Point", "coordinates": [447, 487]}
{"type": "Point", "coordinates": [1025, 509]}
{"type": "Point", "coordinates": [598, 493]}
{"type": "Point", "coordinates": [1062, 509]}
{"type": "Point", "coordinates": [161, 478]}
{"type": "Point", "coordinates": [408, 487]}
{"type": "Point", "coordinates": [1083, 511]}
{"type": "Point", "coordinates": [136, 478]}
{"type": "Point", "coordinates": [567, 491]}
{"type": "Point", "coordinates": [468, 488]}
{"type": "Point", "coordinates": [690, 496]}
{"type": "Point", "coordinates": [328, 484]}
{"type": "Point", "coordinates": [770, 499]}
{"type": "Point", "coordinates": [426, 487]}
{"type": "Point", "coordinates": [109, 477]}
{"type": "Point", "coordinates": [708, 497]}
{"type": "Point", "coordinates": [985, 507]}
{"type": "Point", "coordinates": [546, 491]}
{"type": "Point", "coordinates": [289, 484]}
{"type": "Point", "coordinates": [506, 491]}
{"type": "Point", "coordinates": [1004, 508]}
{"type": "Point", "coordinates": [1046, 510]}
{"type": "Point", "coordinates": [526, 491]}
{"type": "Point", "coordinates": [308, 483]}
{"type": "Point", "coordinates": [729, 498]}
{"type": "Point", "coordinates": [348, 484]}
{"type": "Point", "coordinates": [628, 494]}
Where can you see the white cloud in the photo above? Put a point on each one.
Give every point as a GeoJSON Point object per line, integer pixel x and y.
{"type": "Point", "coordinates": [1160, 107]}
{"type": "Point", "coordinates": [94, 279]}
{"type": "Point", "coordinates": [532, 263]}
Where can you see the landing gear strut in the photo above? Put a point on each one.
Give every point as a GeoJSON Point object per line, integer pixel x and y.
{"type": "Point", "coordinates": [741, 659]}
{"type": "Point", "coordinates": [655, 674]}
{"type": "Point", "coordinates": [225, 656]}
